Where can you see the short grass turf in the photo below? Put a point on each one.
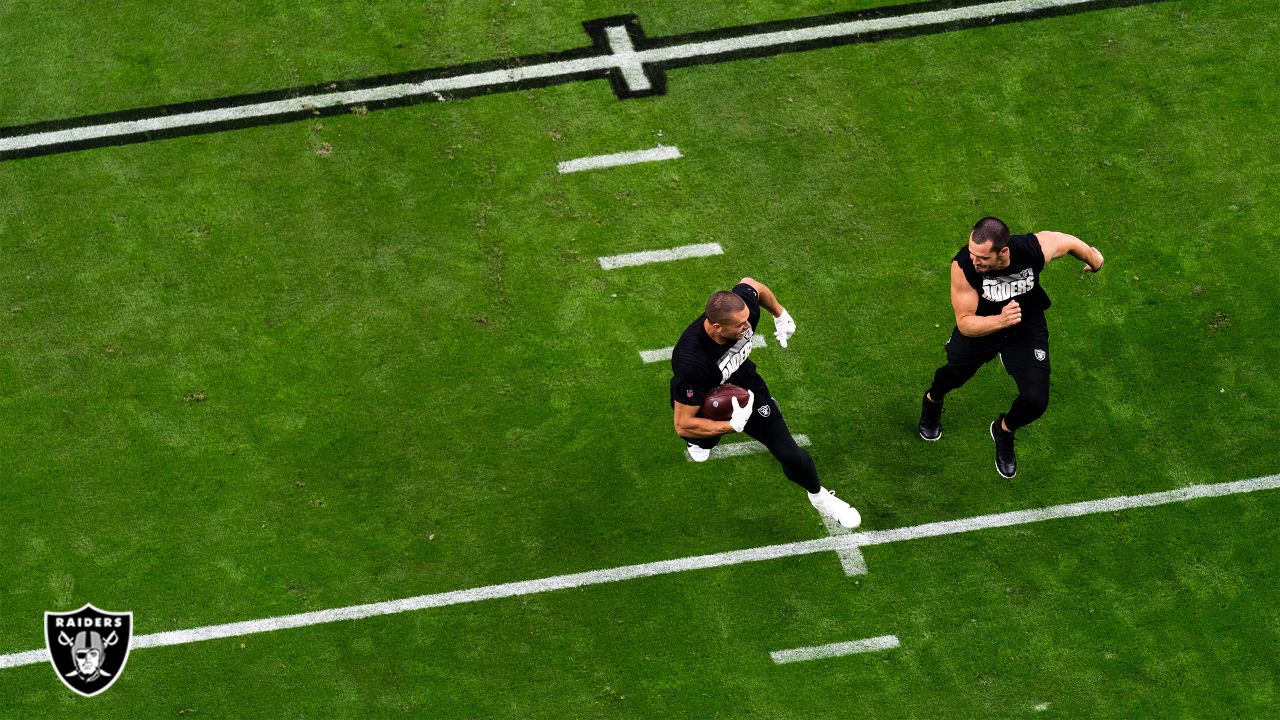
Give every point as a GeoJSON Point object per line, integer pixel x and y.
{"type": "Point", "coordinates": [312, 365]}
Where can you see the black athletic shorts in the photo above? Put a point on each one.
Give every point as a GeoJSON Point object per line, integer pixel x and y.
{"type": "Point", "coordinates": [1023, 346]}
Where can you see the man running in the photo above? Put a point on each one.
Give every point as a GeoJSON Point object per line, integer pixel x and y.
{"type": "Point", "coordinates": [714, 350]}
{"type": "Point", "coordinates": [999, 306]}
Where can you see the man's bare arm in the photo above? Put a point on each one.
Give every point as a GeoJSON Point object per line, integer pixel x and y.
{"type": "Point", "coordinates": [964, 301]}
{"type": "Point", "coordinates": [688, 424]}
{"type": "Point", "coordinates": [768, 300]}
{"type": "Point", "coordinates": [1056, 244]}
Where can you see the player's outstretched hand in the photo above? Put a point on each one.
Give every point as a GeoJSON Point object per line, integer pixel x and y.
{"type": "Point", "coordinates": [784, 327]}
{"type": "Point", "coordinates": [741, 414]}
{"type": "Point", "coordinates": [1011, 314]}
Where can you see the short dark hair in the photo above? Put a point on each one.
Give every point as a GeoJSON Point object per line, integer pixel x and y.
{"type": "Point", "coordinates": [991, 230]}
{"type": "Point", "coordinates": [723, 304]}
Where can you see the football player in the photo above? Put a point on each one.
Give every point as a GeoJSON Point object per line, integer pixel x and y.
{"type": "Point", "coordinates": [999, 306]}
{"type": "Point", "coordinates": [715, 349]}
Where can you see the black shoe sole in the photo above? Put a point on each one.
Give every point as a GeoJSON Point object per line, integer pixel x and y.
{"type": "Point", "coordinates": [992, 429]}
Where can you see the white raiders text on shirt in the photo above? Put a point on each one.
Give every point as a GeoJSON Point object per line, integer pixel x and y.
{"type": "Point", "coordinates": [735, 356]}
{"type": "Point", "coordinates": [1003, 287]}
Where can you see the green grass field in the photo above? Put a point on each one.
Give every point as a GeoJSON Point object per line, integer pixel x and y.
{"type": "Point", "coordinates": [366, 357]}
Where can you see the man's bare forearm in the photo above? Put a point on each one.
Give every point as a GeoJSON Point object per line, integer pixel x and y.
{"type": "Point", "coordinates": [703, 428]}
{"type": "Point", "coordinates": [979, 325]}
{"type": "Point", "coordinates": [768, 300]}
{"type": "Point", "coordinates": [1086, 254]}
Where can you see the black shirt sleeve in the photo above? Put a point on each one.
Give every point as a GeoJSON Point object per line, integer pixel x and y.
{"type": "Point", "coordinates": [690, 376]}
{"type": "Point", "coordinates": [752, 299]}
{"type": "Point", "coordinates": [689, 385]}
{"type": "Point", "coordinates": [1031, 246]}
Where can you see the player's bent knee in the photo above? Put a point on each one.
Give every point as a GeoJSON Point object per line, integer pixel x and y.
{"type": "Point", "coordinates": [795, 457]}
{"type": "Point", "coordinates": [1040, 400]}
{"type": "Point", "coordinates": [1036, 404]}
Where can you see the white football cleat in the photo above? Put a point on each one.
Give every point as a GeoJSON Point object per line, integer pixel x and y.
{"type": "Point", "coordinates": [698, 454]}
{"type": "Point", "coordinates": [826, 502]}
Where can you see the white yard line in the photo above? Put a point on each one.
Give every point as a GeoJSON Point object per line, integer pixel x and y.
{"type": "Point", "coordinates": [629, 63]}
{"type": "Point", "coordinates": [851, 560]}
{"type": "Point", "coordinates": [884, 642]}
{"type": "Point", "coordinates": [622, 56]}
{"type": "Point", "coordinates": [307, 103]}
{"type": "Point", "coordinates": [747, 447]}
{"type": "Point", "coordinates": [683, 252]}
{"type": "Point", "coordinates": [849, 28]}
{"type": "Point", "coordinates": [24, 658]}
{"type": "Point", "coordinates": [595, 162]}
{"type": "Point", "coordinates": [666, 567]}
{"type": "Point", "coordinates": [661, 354]}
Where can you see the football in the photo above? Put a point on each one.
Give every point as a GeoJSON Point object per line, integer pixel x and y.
{"type": "Point", "coordinates": [718, 405]}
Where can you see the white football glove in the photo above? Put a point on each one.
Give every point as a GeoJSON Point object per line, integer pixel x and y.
{"type": "Point", "coordinates": [784, 327]}
{"type": "Point", "coordinates": [738, 421]}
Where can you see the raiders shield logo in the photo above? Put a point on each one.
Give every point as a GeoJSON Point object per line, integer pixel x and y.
{"type": "Point", "coordinates": [88, 647]}
{"type": "Point", "coordinates": [764, 410]}
{"type": "Point", "coordinates": [1040, 354]}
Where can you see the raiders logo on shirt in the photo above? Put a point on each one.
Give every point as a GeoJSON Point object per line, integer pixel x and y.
{"type": "Point", "coordinates": [1003, 287]}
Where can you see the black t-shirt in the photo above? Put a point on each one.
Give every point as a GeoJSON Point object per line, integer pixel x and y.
{"type": "Point", "coordinates": [699, 363]}
{"type": "Point", "coordinates": [1021, 279]}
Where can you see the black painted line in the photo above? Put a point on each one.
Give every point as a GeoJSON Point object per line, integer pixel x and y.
{"type": "Point", "coordinates": [595, 62]}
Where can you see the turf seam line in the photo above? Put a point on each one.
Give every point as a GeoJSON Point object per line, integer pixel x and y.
{"type": "Point", "coordinates": [685, 564]}
{"type": "Point", "coordinates": [634, 65]}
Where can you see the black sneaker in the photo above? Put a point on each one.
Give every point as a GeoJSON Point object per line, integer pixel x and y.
{"type": "Point", "coordinates": [930, 419]}
{"type": "Point", "coordinates": [1006, 460]}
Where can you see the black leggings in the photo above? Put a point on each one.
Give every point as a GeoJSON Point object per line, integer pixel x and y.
{"type": "Point", "coordinates": [771, 431]}
{"type": "Point", "coordinates": [1024, 352]}
{"type": "Point", "coordinates": [1033, 391]}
